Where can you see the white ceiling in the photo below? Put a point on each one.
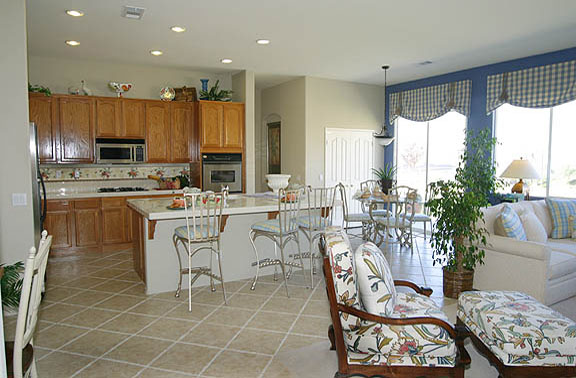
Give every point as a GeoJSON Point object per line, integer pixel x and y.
{"type": "Point", "coordinates": [344, 40]}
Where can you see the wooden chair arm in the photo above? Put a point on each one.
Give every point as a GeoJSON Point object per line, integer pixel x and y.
{"type": "Point", "coordinates": [399, 321]}
{"type": "Point", "coordinates": [419, 289]}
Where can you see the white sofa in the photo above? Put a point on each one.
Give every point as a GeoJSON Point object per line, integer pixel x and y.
{"type": "Point", "coordinates": [546, 271]}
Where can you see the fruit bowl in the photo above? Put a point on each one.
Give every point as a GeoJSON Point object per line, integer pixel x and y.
{"type": "Point", "coordinates": [277, 181]}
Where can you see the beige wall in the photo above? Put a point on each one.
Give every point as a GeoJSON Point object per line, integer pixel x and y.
{"type": "Point", "coordinates": [338, 104]}
{"type": "Point", "coordinates": [244, 91]}
{"type": "Point", "coordinates": [260, 144]}
{"type": "Point", "coordinates": [59, 74]}
{"type": "Point", "coordinates": [16, 224]}
{"type": "Point", "coordinates": [287, 101]}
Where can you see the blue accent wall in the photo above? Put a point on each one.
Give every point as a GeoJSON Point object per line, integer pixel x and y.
{"type": "Point", "coordinates": [478, 118]}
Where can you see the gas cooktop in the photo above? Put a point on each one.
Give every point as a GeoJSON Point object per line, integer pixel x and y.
{"type": "Point", "coordinates": [122, 189]}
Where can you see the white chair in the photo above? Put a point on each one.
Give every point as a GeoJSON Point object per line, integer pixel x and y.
{"type": "Point", "coordinates": [313, 224]}
{"type": "Point", "coordinates": [423, 216]}
{"type": "Point", "coordinates": [372, 186]}
{"type": "Point", "coordinates": [347, 217]}
{"type": "Point", "coordinates": [401, 203]}
{"type": "Point", "coordinates": [204, 227]}
{"type": "Point", "coordinates": [281, 231]}
{"type": "Point", "coordinates": [20, 354]}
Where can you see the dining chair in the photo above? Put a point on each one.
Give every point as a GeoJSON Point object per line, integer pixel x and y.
{"type": "Point", "coordinates": [347, 217]}
{"type": "Point", "coordinates": [280, 231]}
{"type": "Point", "coordinates": [20, 359]}
{"type": "Point", "coordinates": [372, 186]}
{"type": "Point", "coordinates": [401, 204]}
{"type": "Point", "coordinates": [423, 216]}
{"type": "Point", "coordinates": [318, 216]}
{"type": "Point", "coordinates": [202, 231]}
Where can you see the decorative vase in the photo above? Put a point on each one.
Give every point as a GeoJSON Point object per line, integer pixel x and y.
{"type": "Point", "coordinates": [204, 84]}
{"type": "Point", "coordinates": [456, 282]}
{"type": "Point", "coordinates": [277, 181]}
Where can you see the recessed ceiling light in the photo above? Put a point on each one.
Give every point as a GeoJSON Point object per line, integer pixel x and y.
{"type": "Point", "coordinates": [263, 41]}
{"type": "Point", "coordinates": [72, 43]}
{"type": "Point", "coordinates": [74, 13]}
{"type": "Point", "coordinates": [156, 52]}
{"type": "Point", "coordinates": [226, 61]}
{"type": "Point", "coordinates": [178, 29]}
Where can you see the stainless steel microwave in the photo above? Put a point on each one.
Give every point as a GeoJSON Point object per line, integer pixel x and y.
{"type": "Point", "coordinates": [120, 151]}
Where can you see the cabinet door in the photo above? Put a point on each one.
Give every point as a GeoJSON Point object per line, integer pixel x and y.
{"type": "Point", "coordinates": [87, 222]}
{"type": "Point", "coordinates": [133, 118]}
{"type": "Point", "coordinates": [76, 129]}
{"type": "Point", "coordinates": [158, 132]}
{"type": "Point", "coordinates": [108, 120]}
{"type": "Point", "coordinates": [211, 122]}
{"type": "Point", "coordinates": [44, 113]}
{"type": "Point", "coordinates": [233, 126]}
{"type": "Point", "coordinates": [180, 128]}
{"type": "Point", "coordinates": [113, 220]}
{"type": "Point", "coordinates": [59, 223]}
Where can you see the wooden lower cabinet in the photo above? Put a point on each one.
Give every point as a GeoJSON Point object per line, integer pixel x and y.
{"type": "Point", "coordinates": [114, 223]}
{"type": "Point", "coordinates": [60, 223]}
{"type": "Point", "coordinates": [87, 223]}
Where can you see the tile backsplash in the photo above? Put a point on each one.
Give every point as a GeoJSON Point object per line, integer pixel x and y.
{"type": "Point", "coordinates": [110, 172]}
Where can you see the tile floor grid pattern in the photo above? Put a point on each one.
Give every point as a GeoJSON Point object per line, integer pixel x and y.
{"type": "Point", "coordinates": [94, 299]}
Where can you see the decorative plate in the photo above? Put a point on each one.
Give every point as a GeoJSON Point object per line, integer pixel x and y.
{"type": "Point", "coordinates": [167, 94]}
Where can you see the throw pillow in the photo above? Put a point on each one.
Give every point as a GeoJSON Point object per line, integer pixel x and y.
{"type": "Point", "coordinates": [375, 281]}
{"type": "Point", "coordinates": [534, 229]}
{"type": "Point", "coordinates": [560, 211]}
{"type": "Point", "coordinates": [498, 227]}
{"type": "Point", "coordinates": [512, 224]}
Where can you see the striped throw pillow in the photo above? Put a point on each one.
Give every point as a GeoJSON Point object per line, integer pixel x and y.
{"type": "Point", "coordinates": [560, 212]}
{"type": "Point", "coordinates": [512, 224]}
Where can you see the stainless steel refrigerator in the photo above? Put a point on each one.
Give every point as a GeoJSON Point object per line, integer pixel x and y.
{"type": "Point", "coordinates": [38, 187]}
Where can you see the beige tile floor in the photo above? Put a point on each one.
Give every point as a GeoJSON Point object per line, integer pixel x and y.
{"type": "Point", "coordinates": [96, 321]}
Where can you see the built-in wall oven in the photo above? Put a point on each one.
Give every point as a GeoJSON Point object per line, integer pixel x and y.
{"type": "Point", "coordinates": [219, 170]}
{"type": "Point", "coordinates": [120, 151]}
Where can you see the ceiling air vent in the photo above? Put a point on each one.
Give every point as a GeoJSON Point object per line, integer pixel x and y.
{"type": "Point", "coordinates": [134, 13]}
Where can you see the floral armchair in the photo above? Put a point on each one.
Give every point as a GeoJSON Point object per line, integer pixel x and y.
{"type": "Point", "coordinates": [415, 340]}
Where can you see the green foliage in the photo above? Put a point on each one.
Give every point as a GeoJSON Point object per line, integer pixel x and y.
{"type": "Point", "coordinates": [386, 173]}
{"type": "Point", "coordinates": [216, 94]}
{"type": "Point", "coordinates": [456, 205]}
{"type": "Point", "coordinates": [39, 89]}
{"type": "Point", "coordinates": [11, 284]}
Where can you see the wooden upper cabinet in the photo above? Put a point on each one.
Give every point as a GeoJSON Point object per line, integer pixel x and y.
{"type": "Point", "coordinates": [134, 118]}
{"type": "Point", "coordinates": [233, 126]}
{"type": "Point", "coordinates": [180, 131]}
{"type": "Point", "coordinates": [76, 116]}
{"type": "Point", "coordinates": [211, 121]}
{"type": "Point", "coordinates": [108, 118]}
{"type": "Point", "coordinates": [44, 113]}
{"type": "Point", "coordinates": [158, 131]}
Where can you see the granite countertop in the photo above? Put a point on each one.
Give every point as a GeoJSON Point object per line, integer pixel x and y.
{"type": "Point", "coordinates": [72, 194]}
{"type": "Point", "coordinates": [157, 208]}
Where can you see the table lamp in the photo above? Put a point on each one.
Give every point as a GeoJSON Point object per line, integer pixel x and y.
{"type": "Point", "coordinates": [520, 169]}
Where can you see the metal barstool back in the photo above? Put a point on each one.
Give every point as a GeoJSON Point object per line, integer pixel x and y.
{"type": "Point", "coordinates": [203, 213]}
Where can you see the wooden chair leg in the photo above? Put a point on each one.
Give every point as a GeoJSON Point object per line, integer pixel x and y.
{"type": "Point", "coordinates": [332, 337]}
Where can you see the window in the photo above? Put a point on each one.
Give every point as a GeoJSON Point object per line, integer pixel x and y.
{"type": "Point", "coordinates": [428, 151]}
{"type": "Point", "coordinates": [545, 137]}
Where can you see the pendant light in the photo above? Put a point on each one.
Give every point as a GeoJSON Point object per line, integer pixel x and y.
{"type": "Point", "coordinates": [382, 137]}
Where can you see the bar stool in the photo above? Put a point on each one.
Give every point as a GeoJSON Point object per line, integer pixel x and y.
{"type": "Point", "coordinates": [280, 231]}
{"type": "Point", "coordinates": [313, 224]}
{"type": "Point", "coordinates": [203, 227]}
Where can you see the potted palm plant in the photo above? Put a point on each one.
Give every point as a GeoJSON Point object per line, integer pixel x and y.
{"type": "Point", "coordinates": [457, 239]}
{"type": "Point", "coordinates": [386, 176]}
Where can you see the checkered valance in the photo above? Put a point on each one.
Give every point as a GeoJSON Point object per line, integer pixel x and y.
{"type": "Point", "coordinates": [427, 103]}
{"type": "Point", "coordinates": [537, 87]}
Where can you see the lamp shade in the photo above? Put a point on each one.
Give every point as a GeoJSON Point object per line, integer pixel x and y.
{"type": "Point", "coordinates": [520, 169]}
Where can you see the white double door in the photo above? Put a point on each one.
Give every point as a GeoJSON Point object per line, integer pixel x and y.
{"type": "Point", "coordinates": [350, 156]}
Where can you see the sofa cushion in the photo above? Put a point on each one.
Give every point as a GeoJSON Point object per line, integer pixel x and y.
{"type": "Point", "coordinates": [375, 281]}
{"type": "Point", "coordinates": [561, 264]}
{"type": "Point", "coordinates": [342, 263]}
{"type": "Point", "coordinates": [560, 211]}
{"type": "Point", "coordinates": [418, 345]}
{"type": "Point", "coordinates": [534, 229]}
{"type": "Point", "coordinates": [541, 210]}
{"type": "Point", "coordinates": [518, 329]}
{"type": "Point", "coordinates": [511, 223]}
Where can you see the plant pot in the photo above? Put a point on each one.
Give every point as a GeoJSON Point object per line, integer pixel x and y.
{"type": "Point", "coordinates": [385, 185]}
{"type": "Point", "coordinates": [456, 282]}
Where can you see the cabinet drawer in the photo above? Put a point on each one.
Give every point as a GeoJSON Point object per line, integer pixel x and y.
{"type": "Point", "coordinates": [113, 202]}
{"type": "Point", "coordinates": [87, 204]}
{"type": "Point", "coordinates": [57, 205]}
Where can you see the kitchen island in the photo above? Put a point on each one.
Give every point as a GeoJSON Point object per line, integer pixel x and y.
{"type": "Point", "coordinates": [155, 258]}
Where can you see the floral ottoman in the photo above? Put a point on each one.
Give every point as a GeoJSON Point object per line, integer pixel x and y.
{"type": "Point", "coordinates": [519, 335]}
